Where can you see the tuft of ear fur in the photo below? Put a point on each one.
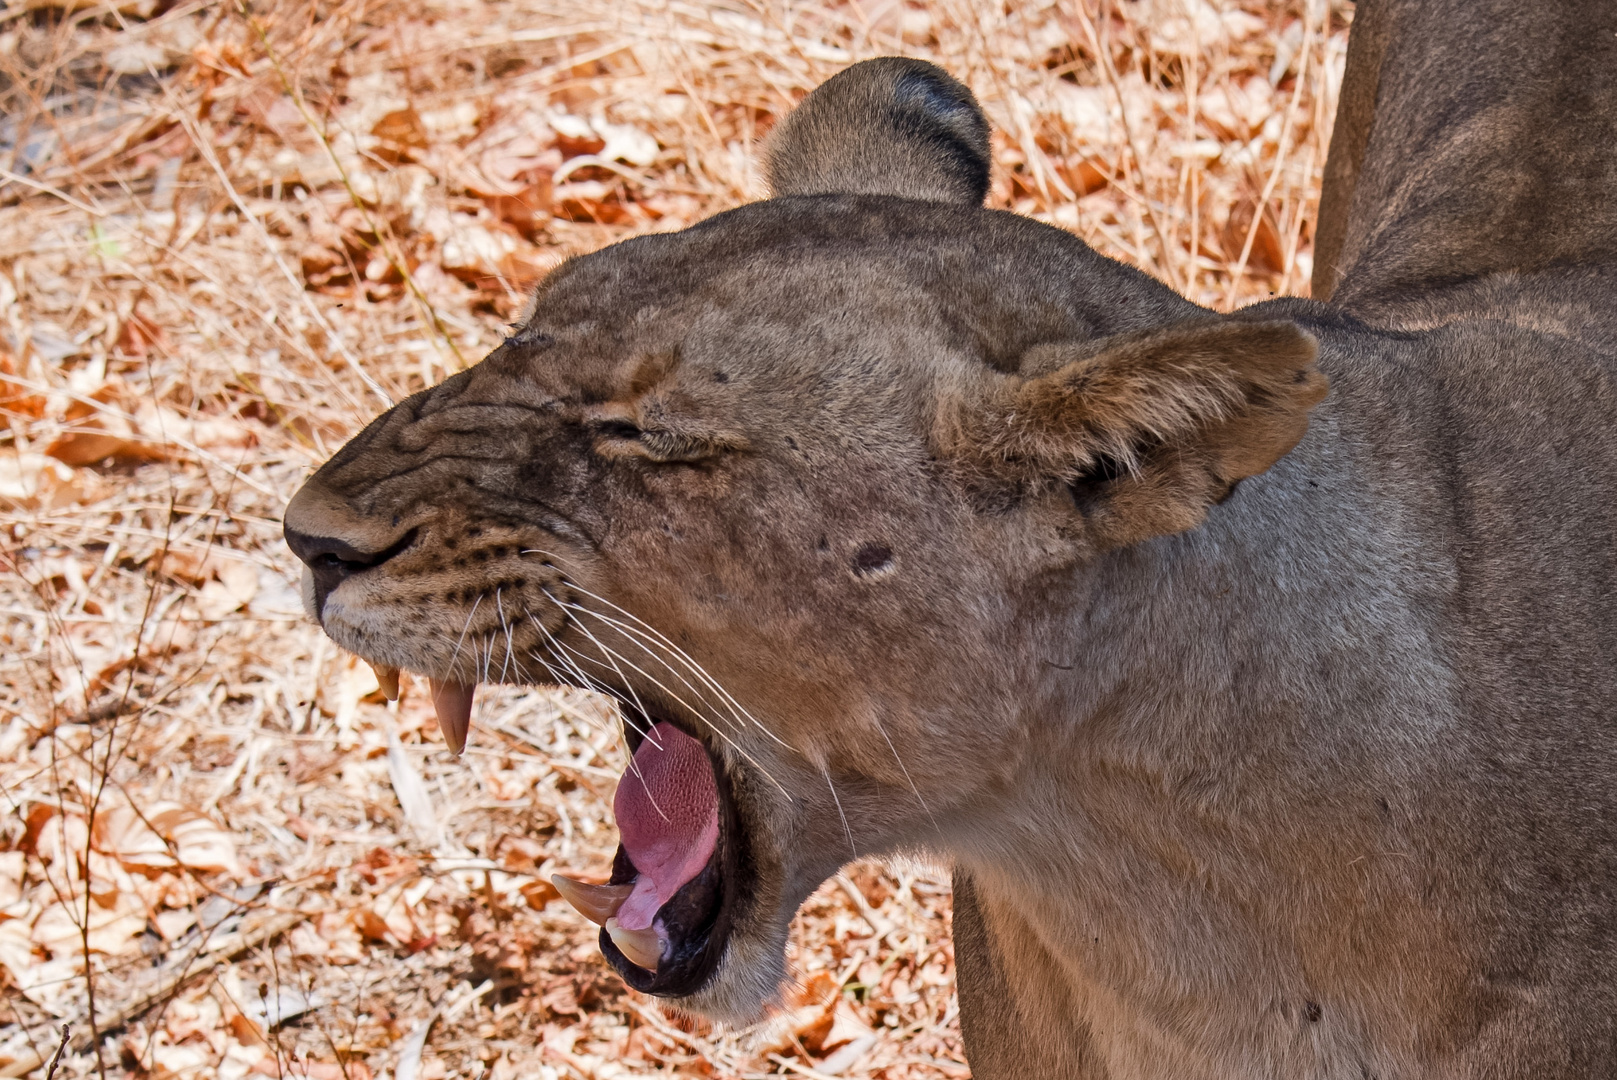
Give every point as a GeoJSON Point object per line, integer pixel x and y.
{"type": "Point", "coordinates": [1147, 430]}
{"type": "Point", "coordinates": [889, 126]}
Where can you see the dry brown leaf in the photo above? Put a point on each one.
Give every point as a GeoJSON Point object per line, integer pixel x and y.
{"type": "Point", "coordinates": [322, 267]}
{"type": "Point", "coordinates": [400, 135]}
{"type": "Point", "coordinates": [576, 136]}
{"type": "Point", "coordinates": [16, 401]}
{"type": "Point", "coordinates": [271, 1065]}
{"type": "Point", "coordinates": [528, 210]}
{"type": "Point", "coordinates": [1086, 178]}
{"type": "Point", "coordinates": [838, 1024]}
{"type": "Point", "coordinates": [1268, 254]}
{"type": "Point", "coordinates": [525, 266]}
{"type": "Point", "coordinates": [590, 201]}
{"type": "Point", "coordinates": [234, 586]}
{"type": "Point", "coordinates": [113, 927]}
{"type": "Point", "coordinates": [13, 865]}
{"type": "Point", "coordinates": [520, 854]}
{"type": "Point", "coordinates": [138, 335]}
{"type": "Point", "coordinates": [201, 842]}
{"type": "Point", "coordinates": [121, 833]}
{"type": "Point", "coordinates": [474, 251]}
{"type": "Point", "coordinates": [96, 435]}
{"type": "Point", "coordinates": [537, 894]}
{"type": "Point", "coordinates": [170, 834]}
{"type": "Point", "coordinates": [81, 448]}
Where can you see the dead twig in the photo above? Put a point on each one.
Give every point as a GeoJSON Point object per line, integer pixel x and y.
{"type": "Point", "coordinates": [61, 1047]}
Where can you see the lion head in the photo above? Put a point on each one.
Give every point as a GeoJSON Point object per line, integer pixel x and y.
{"type": "Point", "coordinates": [795, 486]}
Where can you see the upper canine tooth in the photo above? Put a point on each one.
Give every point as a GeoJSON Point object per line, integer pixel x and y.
{"type": "Point", "coordinates": [597, 903]}
{"type": "Point", "coordinates": [642, 947]}
{"type": "Point", "coordinates": [388, 679]}
{"type": "Point", "coordinates": [452, 701]}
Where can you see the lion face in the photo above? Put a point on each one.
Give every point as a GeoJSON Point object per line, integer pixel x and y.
{"type": "Point", "coordinates": [791, 486]}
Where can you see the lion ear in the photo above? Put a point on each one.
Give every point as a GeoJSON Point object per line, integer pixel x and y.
{"type": "Point", "coordinates": [890, 126]}
{"type": "Point", "coordinates": [1146, 431]}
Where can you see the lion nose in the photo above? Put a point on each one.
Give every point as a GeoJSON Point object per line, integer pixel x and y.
{"type": "Point", "coordinates": [335, 544]}
{"type": "Point", "coordinates": [330, 559]}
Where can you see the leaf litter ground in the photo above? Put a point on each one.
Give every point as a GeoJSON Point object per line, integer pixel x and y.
{"type": "Point", "coordinates": [230, 233]}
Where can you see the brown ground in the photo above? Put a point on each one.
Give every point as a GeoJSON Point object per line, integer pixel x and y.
{"type": "Point", "coordinates": [229, 232]}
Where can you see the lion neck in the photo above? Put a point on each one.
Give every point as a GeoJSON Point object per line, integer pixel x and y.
{"type": "Point", "coordinates": [1204, 700]}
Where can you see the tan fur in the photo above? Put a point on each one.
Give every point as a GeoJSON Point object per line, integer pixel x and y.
{"type": "Point", "coordinates": [1305, 777]}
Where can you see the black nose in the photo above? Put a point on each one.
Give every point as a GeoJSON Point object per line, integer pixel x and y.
{"type": "Point", "coordinates": [331, 560]}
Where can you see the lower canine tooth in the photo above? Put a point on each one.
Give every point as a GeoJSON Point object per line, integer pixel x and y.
{"type": "Point", "coordinates": [452, 701]}
{"type": "Point", "coordinates": [597, 903]}
{"type": "Point", "coordinates": [642, 947]}
{"type": "Point", "coordinates": [388, 679]}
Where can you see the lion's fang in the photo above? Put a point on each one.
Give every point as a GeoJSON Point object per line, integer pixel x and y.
{"type": "Point", "coordinates": [597, 903]}
{"type": "Point", "coordinates": [387, 678]}
{"type": "Point", "coordinates": [452, 701]}
{"type": "Point", "coordinates": [643, 947]}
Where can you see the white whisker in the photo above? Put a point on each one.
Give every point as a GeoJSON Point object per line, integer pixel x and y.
{"type": "Point", "coordinates": [555, 675]}
{"type": "Point", "coordinates": [591, 660]}
{"type": "Point", "coordinates": [499, 609]}
{"type": "Point", "coordinates": [611, 656]}
{"type": "Point", "coordinates": [915, 790]}
{"type": "Point", "coordinates": [696, 712]}
{"type": "Point", "coordinates": [826, 772]}
{"type": "Point", "coordinates": [641, 638]}
{"type": "Point", "coordinates": [589, 681]}
{"type": "Point", "coordinates": [684, 704]}
{"type": "Point", "coordinates": [700, 712]}
{"type": "Point", "coordinates": [700, 671]}
{"type": "Point", "coordinates": [456, 654]}
{"type": "Point", "coordinates": [634, 766]}
{"type": "Point", "coordinates": [662, 639]}
{"type": "Point", "coordinates": [635, 637]}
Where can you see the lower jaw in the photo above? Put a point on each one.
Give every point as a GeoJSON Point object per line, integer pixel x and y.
{"type": "Point", "coordinates": [697, 923]}
{"type": "Point", "coordinates": [699, 918]}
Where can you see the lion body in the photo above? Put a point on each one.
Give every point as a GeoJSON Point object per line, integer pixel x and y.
{"type": "Point", "coordinates": [1473, 138]}
{"type": "Point", "coordinates": [1335, 787]}
{"type": "Point", "coordinates": [1270, 732]}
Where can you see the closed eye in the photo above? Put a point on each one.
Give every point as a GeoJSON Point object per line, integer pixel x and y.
{"type": "Point", "coordinates": [621, 439]}
{"type": "Point", "coordinates": [618, 429]}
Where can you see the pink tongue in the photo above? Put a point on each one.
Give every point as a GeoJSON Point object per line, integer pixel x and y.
{"type": "Point", "coordinates": [668, 817]}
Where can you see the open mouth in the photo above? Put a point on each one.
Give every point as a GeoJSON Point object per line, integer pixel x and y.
{"type": "Point", "coordinates": [668, 908]}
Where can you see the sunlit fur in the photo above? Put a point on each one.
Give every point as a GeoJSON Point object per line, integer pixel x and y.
{"type": "Point", "coordinates": [1267, 728]}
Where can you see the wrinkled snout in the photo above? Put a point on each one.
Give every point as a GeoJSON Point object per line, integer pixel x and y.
{"type": "Point", "coordinates": [420, 545]}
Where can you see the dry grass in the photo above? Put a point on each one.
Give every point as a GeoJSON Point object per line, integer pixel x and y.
{"type": "Point", "coordinates": [229, 233]}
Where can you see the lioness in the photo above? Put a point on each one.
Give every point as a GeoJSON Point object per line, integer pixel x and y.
{"type": "Point", "coordinates": [1257, 673]}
